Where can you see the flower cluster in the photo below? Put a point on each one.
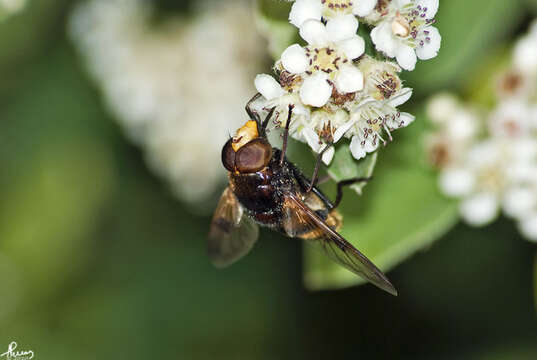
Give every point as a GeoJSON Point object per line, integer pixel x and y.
{"type": "Point", "coordinates": [489, 159]}
{"type": "Point", "coordinates": [337, 91]}
{"type": "Point", "coordinates": [164, 85]}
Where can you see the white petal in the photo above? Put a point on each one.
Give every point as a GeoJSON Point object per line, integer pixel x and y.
{"type": "Point", "coordinates": [519, 201]}
{"type": "Point", "coordinates": [406, 57]}
{"type": "Point", "coordinates": [314, 32]}
{"type": "Point", "coordinates": [363, 8]}
{"type": "Point", "coordinates": [461, 124]}
{"type": "Point", "coordinates": [356, 147]}
{"type": "Point", "coordinates": [528, 227]}
{"type": "Point", "coordinates": [349, 79]}
{"type": "Point", "coordinates": [401, 98]}
{"type": "Point", "coordinates": [311, 138]}
{"type": "Point", "coordinates": [480, 209]}
{"type": "Point", "coordinates": [440, 107]}
{"type": "Point", "coordinates": [268, 86]}
{"type": "Point", "coordinates": [456, 182]}
{"type": "Point", "coordinates": [371, 142]}
{"type": "Point", "coordinates": [294, 59]}
{"type": "Point", "coordinates": [430, 5]}
{"type": "Point", "coordinates": [315, 90]}
{"type": "Point", "coordinates": [525, 54]}
{"type": "Point", "coordinates": [303, 10]}
{"type": "Point", "coordinates": [342, 27]}
{"type": "Point", "coordinates": [405, 119]}
{"type": "Point", "coordinates": [402, 3]}
{"type": "Point", "coordinates": [328, 155]}
{"type": "Point", "coordinates": [340, 131]}
{"type": "Point", "coordinates": [430, 47]}
{"type": "Point", "coordinates": [383, 39]}
{"type": "Point", "coordinates": [353, 47]}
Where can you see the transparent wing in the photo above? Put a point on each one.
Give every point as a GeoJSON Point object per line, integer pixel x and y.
{"type": "Point", "coordinates": [316, 230]}
{"type": "Point", "coordinates": [232, 233]}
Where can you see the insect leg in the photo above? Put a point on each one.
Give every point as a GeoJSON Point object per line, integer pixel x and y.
{"type": "Point", "coordinates": [252, 113]}
{"type": "Point", "coordinates": [347, 182]}
{"type": "Point", "coordinates": [263, 126]}
{"type": "Point", "coordinates": [286, 133]}
{"type": "Point", "coordinates": [317, 166]}
{"type": "Point", "coordinates": [305, 184]}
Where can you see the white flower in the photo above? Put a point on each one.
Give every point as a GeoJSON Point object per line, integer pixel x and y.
{"type": "Point", "coordinates": [518, 201]}
{"type": "Point", "coordinates": [515, 84]}
{"type": "Point", "coordinates": [480, 209]}
{"type": "Point", "coordinates": [456, 129]}
{"type": "Point", "coordinates": [510, 119]}
{"type": "Point", "coordinates": [303, 10]}
{"type": "Point", "coordinates": [481, 179]}
{"type": "Point", "coordinates": [327, 61]}
{"type": "Point", "coordinates": [372, 121]}
{"type": "Point", "coordinates": [441, 106]}
{"type": "Point", "coordinates": [268, 86]}
{"type": "Point", "coordinates": [381, 80]}
{"type": "Point", "coordinates": [456, 182]}
{"type": "Point", "coordinates": [525, 52]}
{"type": "Point", "coordinates": [11, 6]}
{"type": "Point", "coordinates": [528, 226]}
{"type": "Point", "coordinates": [406, 32]}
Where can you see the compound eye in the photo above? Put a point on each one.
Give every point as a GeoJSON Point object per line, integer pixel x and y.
{"type": "Point", "coordinates": [253, 156]}
{"type": "Point", "coordinates": [228, 156]}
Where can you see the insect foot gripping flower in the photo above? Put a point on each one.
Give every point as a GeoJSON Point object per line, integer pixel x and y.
{"type": "Point", "coordinates": [367, 116]}
{"type": "Point", "coordinates": [160, 95]}
{"type": "Point", "coordinates": [404, 31]}
{"type": "Point", "coordinates": [335, 90]}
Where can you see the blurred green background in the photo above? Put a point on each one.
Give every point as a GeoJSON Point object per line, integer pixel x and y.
{"type": "Point", "coordinates": [99, 261]}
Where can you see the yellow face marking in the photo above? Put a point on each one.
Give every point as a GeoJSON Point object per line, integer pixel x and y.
{"type": "Point", "coordinates": [244, 135]}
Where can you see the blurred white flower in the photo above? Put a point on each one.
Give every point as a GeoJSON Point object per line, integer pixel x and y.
{"type": "Point", "coordinates": [525, 52]}
{"type": "Point", "coordinates": [456, 129]}
{"type": "Point", "coordinates": [480, 180]}
{"type": "Point", "coordinates": [489, 161]}
{"type": "Point", "coordinates": [9, 7]}
{"type": "Point", "coordinates": [511, 119]}
{"type": "Point", "coordinates": [405, 31]}
{"type": "Point", "coordinates": [177, 89]}
{"type": "Point", "coordinates": [528, 226]}
{"type": "Point", "coordinates": [515, 84]}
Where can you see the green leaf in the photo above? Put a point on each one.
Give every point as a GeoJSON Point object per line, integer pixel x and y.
{"type": "Point", "coordinates": [344, 166]}
{"type": "Point", "coordinates": [272, 23]}
{"type": "Point", "coordinates": [532, 4]}
{"type": "Point", "coordinates": [57, 174]}
{"type": "Point", "coordinates": [364, 31]}
{"type": "Point", "coordinates": [400, 213]}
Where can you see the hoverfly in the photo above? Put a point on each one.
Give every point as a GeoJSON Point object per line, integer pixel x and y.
{"type": "Point", "coordinates": [268, 190]}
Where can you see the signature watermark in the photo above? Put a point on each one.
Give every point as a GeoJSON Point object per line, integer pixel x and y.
{"type": "Point", "coordinates": [13, 354]}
